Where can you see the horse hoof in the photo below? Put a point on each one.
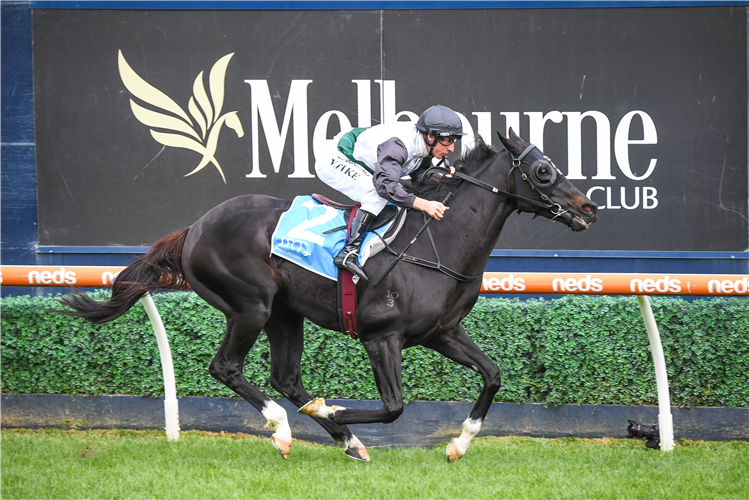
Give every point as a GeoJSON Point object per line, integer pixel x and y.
{"type": "Point", "coordinates": [313, 407]}
{"type": "Point", "coordinates": [282, 446]}
{"type": "Point", "coordinates": [358, 453]}
{"type": "Point", "coordinates": [453, 455]}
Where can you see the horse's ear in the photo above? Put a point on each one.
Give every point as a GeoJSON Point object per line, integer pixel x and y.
{"type": "Point", "coordinates": [511, 143]}
{"type": "Point", "coordinates": [514, 136]}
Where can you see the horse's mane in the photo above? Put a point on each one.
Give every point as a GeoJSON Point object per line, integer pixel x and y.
{"type": "Point", "coordinates": [468, 164]}
{"type": "Point", "coordinates": [474, 158]}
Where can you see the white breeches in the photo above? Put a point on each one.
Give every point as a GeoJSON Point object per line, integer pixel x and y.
{"type": "Point", "coordinates": [351, 179]}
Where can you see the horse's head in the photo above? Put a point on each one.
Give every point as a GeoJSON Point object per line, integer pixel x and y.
{"type": "Point", "coordinates": [543, 189]}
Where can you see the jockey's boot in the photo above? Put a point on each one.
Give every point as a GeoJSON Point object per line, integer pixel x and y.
{"type": "Point", "coordinates": [348, 258]}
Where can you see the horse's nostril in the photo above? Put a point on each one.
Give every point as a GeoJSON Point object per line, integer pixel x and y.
{"type": "Point", "coordinates": [588, 208]}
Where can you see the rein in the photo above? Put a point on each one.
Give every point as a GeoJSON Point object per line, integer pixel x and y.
{"type": "Point", "coordinates": [516, 162]}
{"type": "Point", "coordinates": [437, 266]}
{"type": "Point", "coordinates": [423, 262]}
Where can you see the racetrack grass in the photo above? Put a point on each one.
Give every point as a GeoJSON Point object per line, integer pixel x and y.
{"type": "Point", "coordinates": [143, 464]}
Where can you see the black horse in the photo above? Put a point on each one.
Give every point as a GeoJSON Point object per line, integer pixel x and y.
{"type": "Point", "coordinates": [225, 258]}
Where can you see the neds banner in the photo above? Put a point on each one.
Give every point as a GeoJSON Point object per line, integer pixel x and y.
{"type": "Point", "coordinates": [147, 119]}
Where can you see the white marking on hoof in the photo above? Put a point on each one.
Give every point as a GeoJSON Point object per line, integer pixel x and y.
{"type": "Point", "coordinates": [452, 452]}
{"type": "Point", "coordinates": [283, 447]}
{"type": "Point", "coordinates": [458, 446]}
{"type": "Point", "coordinates": [318, 408]}
{"type": "Point", "coordinates": [356, 450]}
{"type": "Point", "coordinates": [278, 421]}
{"type": "Point", "coordinates": [312, 407]}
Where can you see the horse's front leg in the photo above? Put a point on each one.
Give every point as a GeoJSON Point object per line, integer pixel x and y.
{"type": "Point", "coordinates": [385, 356]}
{"type": "Point", "coordinates": [456, 345]}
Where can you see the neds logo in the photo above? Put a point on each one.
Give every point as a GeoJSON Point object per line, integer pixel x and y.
{"type": "Point", "coordinates": [728, 286]}
{"type": "Point", "coordinates": [663, 285]}
{"type": "Point", "coordinates": [61, 277]}
{"type": "Point", "coordinates": [107, 277]}
{"type": "Point", "coordinates": [586, 284]}
{"type": "Point", "coordinates": [507, 284]}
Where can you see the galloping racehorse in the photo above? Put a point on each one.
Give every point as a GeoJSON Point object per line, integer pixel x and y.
{"type": "Point", "coordinates": [225, 258]}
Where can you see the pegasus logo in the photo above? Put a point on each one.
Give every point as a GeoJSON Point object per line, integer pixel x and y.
{"type": "Point", "coordinates": [199, 133]}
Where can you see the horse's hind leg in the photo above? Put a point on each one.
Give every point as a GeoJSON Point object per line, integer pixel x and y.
{"type": "Point", "coordinates": [458, 346]}
{"type": "Point", "coordinates": [242, 330]}
{"type": "Point", "coordinates": [285, 330]}
{"type": "Point", "coordinates": [226, 261]}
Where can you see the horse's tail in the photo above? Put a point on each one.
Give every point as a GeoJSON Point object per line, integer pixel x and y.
{"type": "Point", "coordinates": [159, 269]}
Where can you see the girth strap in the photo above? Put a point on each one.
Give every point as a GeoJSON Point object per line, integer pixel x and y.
{"type": "Point", "coordinates": [346, 294]}
{"type": "Point", "coordinates": [346, 303]}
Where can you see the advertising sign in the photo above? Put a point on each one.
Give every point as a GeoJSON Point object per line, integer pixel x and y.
{"type": "Point", "coordinates": [145, 120]}
{"type": "Point", "coordinates": [492, 283]}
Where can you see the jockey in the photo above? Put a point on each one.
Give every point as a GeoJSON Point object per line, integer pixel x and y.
{"type": "Point", "coordinates": [369, 162]}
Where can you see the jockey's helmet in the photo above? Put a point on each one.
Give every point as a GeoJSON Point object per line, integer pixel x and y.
{"type": "Point", "coordinates": [440, 121]}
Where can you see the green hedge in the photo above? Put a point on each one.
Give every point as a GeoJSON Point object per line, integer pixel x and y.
{"type": "Point", "coordinates": [576, 349]}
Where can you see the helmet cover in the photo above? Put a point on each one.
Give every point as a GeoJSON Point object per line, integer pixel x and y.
{"type": "Point", "coordinates": [440, 121]}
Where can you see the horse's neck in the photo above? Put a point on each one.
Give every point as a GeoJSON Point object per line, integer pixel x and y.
{"type": "Point", "coordinates": [475, 220]}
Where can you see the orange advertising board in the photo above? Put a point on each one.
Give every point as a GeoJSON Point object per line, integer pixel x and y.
{"type": "Point", "coordinates": [512, 283]}
{"type": "Point", "coordinates": [79, 276]}
{"type": "Point", "coordinates": [615, 284]}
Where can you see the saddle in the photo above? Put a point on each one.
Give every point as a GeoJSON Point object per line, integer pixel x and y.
{"type": "Point", "coordinates": [346, 298]}
{"type": "Point", "coordinates": [388, 213]}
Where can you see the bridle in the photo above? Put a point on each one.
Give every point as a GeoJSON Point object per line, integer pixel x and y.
{"type": "Point", "coordinates": [531, 181]}
{"type": "Point", "coordinates": [542, 187]}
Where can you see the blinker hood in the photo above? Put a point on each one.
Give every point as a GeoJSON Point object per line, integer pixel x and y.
{"type": "Point", "coordinates": [528, 183]}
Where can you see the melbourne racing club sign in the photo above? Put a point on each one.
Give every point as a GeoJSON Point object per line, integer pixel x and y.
{"type": "Point", "coordinates": [190, 133]}
{"type": "Point", "coordinates": [649, 130]}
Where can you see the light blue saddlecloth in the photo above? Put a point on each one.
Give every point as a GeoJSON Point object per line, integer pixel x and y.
{"type": "Point", "coordinates": [299, 236]}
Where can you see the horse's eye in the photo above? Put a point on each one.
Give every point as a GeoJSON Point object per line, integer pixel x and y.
{"type": "Point", "coordinates": [544, 172]}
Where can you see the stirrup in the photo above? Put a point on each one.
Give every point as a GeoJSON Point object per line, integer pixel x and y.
{"type": "Point", "coordinates": [354, 266]}
{"type": "Point", "coordinates": [340, 259]}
